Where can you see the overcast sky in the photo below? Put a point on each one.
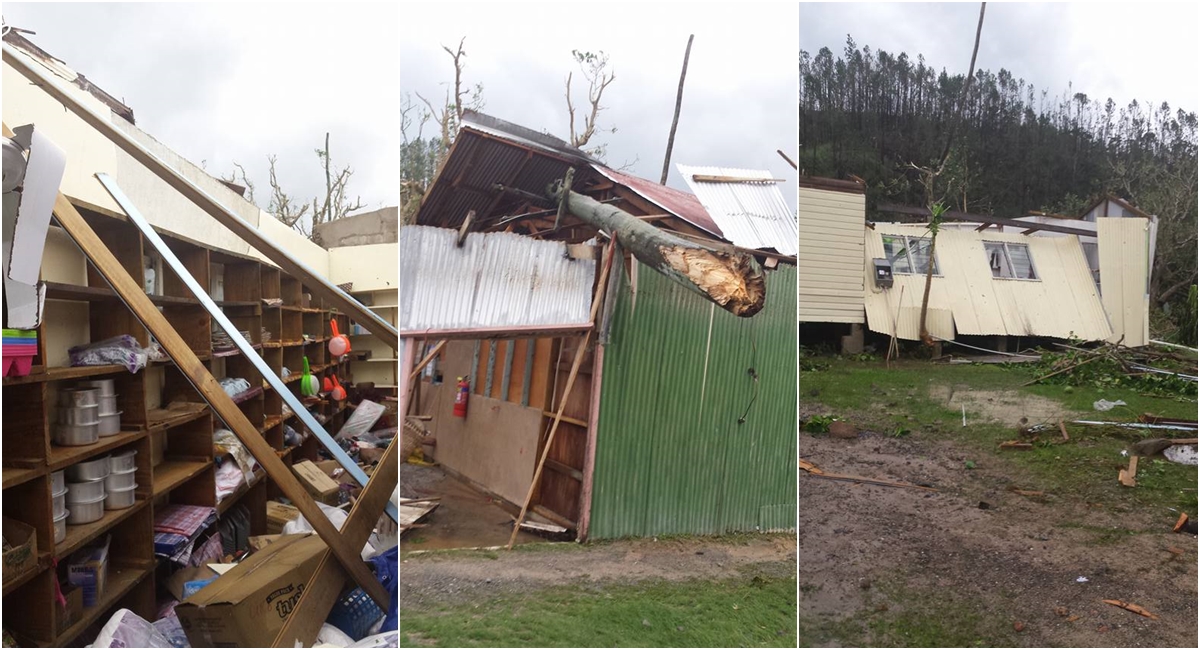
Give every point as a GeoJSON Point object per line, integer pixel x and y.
{"type": "Point", "coordinates": [1126, 51]}
{"type": "Point", "coordinates": [739, 102]}
{"type": "Point", "coordinates": [221, 83]}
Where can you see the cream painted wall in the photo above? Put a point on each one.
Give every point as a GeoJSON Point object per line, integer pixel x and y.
{"type": "Point", "coordinates": [369, 267]}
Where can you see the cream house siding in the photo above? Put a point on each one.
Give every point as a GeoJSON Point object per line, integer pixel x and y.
{"type": "Point", "coordinates": [1062, 303]}
{"type": "Point", "coordinates": [830, 259]}
{"type": "Point", "coordinates": [1124, 277]}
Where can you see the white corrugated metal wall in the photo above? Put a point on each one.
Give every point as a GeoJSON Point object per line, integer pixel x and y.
{"type": "Point", "coordinates": [830, 261]}
{"type": "Point", "coordinates": [1125, 277]}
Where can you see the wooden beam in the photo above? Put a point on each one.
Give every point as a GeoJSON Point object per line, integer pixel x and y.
{"type": "Point", "coordinates": [564, 469]}
{"type": "Point", "coordinates": [464, 229]}
{"type": "Point", "coordinates": [1028, 226]}
{"type": "Point", "coordinates": [502, 332]}
{"type": "Point", "coordinates": [425, 360]}
{"type": "Point", "coordinates": [379, 327]}
{"type": "Point", "coordinates": [710, 178]}
{"type": "Point", "coordinates": [576, 421]}
{"type": "Point", "coordinates": [323, 589]}
{"type": "Point", "coordinates": [134, 297]}
{"type": "Point", "coordinates": [579, 353]}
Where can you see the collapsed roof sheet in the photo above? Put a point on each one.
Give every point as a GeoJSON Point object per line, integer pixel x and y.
{"type": "Point", "coordinates": [751, 214]}
{"type": "Point", "coordinates": [681, 204]}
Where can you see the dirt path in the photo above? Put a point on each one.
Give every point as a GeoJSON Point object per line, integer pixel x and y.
{"type": "Point", "coordinates": [427, 579]}
{"type": "Point", "coordinates": [869, 552]}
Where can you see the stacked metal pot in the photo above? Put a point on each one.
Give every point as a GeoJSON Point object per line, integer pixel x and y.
{"type": "Point", "coordinates": [87, 413]}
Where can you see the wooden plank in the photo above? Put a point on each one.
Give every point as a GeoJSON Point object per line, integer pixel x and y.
{"type": "Point", "coordinates": [135, 298]}
{"type": "Point", "coordinates": [564, 469]}
{"type": "Point", "coordinates": [378, 326]}
{"type": "Point", "coordinates": [327, 582]}
{"type": "Point", "coordinates": [527, 377]}
{"type": "Point", "coordinates": [576, 421]}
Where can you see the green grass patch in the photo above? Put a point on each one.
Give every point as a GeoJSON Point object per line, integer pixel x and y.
{"type": "Point", "coordinates": [753, 611]}
{"type": "Point", "coordinates": [1085, 467]}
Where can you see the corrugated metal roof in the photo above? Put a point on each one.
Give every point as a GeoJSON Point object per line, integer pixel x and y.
{"type": "Point", "coordinates": [751, 215]}
{"type": "Point", "coordinates": [494, 280]}
{"type": "Point", "coordinates": [1062, 303]}
{"type": "Point", "coordinates": [671, 457]}
{"type": "Point", "coordinates": [681, 204]}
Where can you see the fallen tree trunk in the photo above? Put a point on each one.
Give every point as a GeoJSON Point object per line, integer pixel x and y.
{"type": "Point", "coordinates": [731, 279]}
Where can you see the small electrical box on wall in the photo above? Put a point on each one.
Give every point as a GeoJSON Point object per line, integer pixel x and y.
{"type": "Point", "coordinates": [883, 273]}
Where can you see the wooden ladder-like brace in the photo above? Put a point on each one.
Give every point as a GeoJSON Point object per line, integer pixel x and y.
{"type": "Point", "coordinates": [344, 548]}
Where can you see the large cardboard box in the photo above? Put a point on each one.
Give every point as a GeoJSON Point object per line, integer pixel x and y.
{"type": "Point", "coordinates": [248, 605]}
{"type": "Point", "coordinates": [319, 485]}
{"type": "Point", "coordinates": [278, 514]}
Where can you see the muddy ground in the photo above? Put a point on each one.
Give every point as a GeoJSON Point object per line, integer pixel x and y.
{"type": "Point", "coordinates": [976, 554]}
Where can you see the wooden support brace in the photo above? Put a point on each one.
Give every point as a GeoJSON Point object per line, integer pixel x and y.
{"type": "Point", "coordinates": [579, 353]}
{"type": "Point", "coordinates": [327, 583]}
{"type": "Point", "coordinates": [134, 296]}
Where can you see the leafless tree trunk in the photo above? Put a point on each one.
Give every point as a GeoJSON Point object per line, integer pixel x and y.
{"type": "Point", "coordinates": [595, 71]}
{"type": "Point", "coordinates": [687, 53]}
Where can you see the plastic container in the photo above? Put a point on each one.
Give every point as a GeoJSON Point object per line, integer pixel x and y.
{"type": "Point", "coordinates": [58, 481]}
{"type": "Point", "coordinates": [108, 404]}
{"type": "Point", "coordinates": [110, 424]}
{"type": "Point", "coordinates": [120, 480]}
{"type": "Point", "coordinates": [91, 470]}
{"type": "Point", "coordinates": [78, 415]}
{"type": "Point", "coordinates": [124, 461]}
{"type": "Point", "coordinates": [108, 387]}
{"type": "Point", "coordinates": [60, 502]}
{"type": "Point", "coordinates": [120, 499]}
{"type": "Point", "coordinates": [80, 396]}
{"type": "Point", "coordinates": [85, 492]}
{"type": "Point", "coordinates": [60, 526]}
{"type": "Point", "coordinates": [74, 435]}
{"type": "Point", "coordinates": [85, 512]}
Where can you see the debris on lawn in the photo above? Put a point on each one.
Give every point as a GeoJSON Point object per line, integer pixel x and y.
{"type": "Point", "coordinates": [842, 429]}
{"type": "Point", "coordinates": [813, 470]}
{"type": "Point", "coordinates": [1016, 444]}
{"type": "Point", "coordinates": [1184, 524]}
{"type": "Point", "coordinates": [1105, 405]}
{"type": "Point", "coordinates": [1128, 476]}
{"type": "Point", "coordinates": [1136, 609]}
{"type": "Point", "coordinates": [1081, 579]}
{"type": "Point", "coordinates": [1142, 369]}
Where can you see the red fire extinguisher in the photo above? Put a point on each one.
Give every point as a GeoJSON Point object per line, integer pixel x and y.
{"type": "Point", "coordinates": [461, 396]}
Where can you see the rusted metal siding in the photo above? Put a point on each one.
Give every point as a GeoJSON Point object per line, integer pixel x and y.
{"type": "Point", "coordinates": [1063, 301]}
{"type": "Point", "coordinates": [671, 456]}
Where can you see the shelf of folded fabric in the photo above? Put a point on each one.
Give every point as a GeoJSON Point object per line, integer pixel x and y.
{"type": "Point", "coordinates": [229, 501]}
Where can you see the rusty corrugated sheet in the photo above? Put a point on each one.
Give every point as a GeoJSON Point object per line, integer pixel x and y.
{"type": "Point", "coordinates": [671, 455]}
{"type": "Point", "coordinates": [681, 204]}
{"type": "Point", "coordinates": [494, 280]}
{"type": "Point", "coordinates": [751, 215]}
{"type": "Point", "coordinates": [1062, 303]}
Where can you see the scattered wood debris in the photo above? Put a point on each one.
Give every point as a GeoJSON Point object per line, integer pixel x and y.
{"type": "Point", "coordinates": [813, 470]}
{"type": "Point", "coordinates": [1136, 609]}
{"type": "Point", "coordinates": [1128, 476]}
{"type": "Point", "coordinates": [1018, 445]}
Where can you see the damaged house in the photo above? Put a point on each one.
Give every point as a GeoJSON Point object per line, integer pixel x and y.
{"type": "Point", "coordinates": [1039, 276]}
{"type": "Point", "coordinates": [674, 414]}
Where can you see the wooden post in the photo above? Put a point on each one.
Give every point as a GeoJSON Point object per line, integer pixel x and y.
{"type": "Point", "coordinates": [134, 296]}
{"type": "Point", "coordinates": [687, 53]}
{"type": "Point", "coordinates": [731, 279]}
{"type": "Point", "coordinates": [537, 474]}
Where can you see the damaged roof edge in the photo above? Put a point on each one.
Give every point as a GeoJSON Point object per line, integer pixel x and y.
{"type": "Point", "coordinates": [61, 69]}
{"type": "Point", "coordinates": [523, 135]}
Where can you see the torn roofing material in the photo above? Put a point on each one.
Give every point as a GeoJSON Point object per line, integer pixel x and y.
{"type": "Point", "coordinates": [751, 214]}
{"type": "Point", "coordinates": [494, 280]}
{"type": "Point", "coordinates": [681, 204]}
{"type": "Point", "coordinates": [61, 69]}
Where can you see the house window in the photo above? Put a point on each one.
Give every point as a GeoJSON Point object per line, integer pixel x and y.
{"type": "Point", "coordinates": [1010, 261]}
{"type": "Point", "coordinates": [909, 255]}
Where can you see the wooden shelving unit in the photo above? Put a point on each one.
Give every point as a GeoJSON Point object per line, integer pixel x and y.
{"type": "Point", "coordinates": [381, 366]}
{"type": "Point", "coordinates": [160, 409]}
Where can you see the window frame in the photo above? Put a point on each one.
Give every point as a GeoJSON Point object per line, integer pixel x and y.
{"type": "Point", "coordinates": [908, 256]}
{"type": "Point", "coordinates": [1037, 277]}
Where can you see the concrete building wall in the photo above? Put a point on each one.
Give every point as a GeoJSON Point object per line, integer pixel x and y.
{"type": "Point", "coordinates": [375, 227]}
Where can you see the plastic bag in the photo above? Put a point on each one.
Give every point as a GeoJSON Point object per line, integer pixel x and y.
{"type": "Point", "coordinates": [335, 516]}
{"type": "Point", "coordinates": [119, 350]}
{"type": "Point", "coordinates": [128, 630]}
{"type": "Point", "coordinates": [334, 637]}
{"type": "Point", "coordinates": [234, 386]}
{"type": "Point", "coordinates": [385, 565]}
{"type": "Point", "coordinates": [1105, 405]}
{"type": "Point", "coordinates": [385, 640]}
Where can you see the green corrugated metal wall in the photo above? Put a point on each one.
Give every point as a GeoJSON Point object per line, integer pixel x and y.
{"type": "Point", "coordinates": [671, 457]}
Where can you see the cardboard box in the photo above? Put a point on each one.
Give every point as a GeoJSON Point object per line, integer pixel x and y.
{"type": "Point", "coordinates": [248, 606]}
{"type": "Point", "coordinates": [259, 542]}
{"type": "Point", "coordinates": [67, 615]}
{"type": "Point", "coordinates": [22, 556]}
{"type": "Point", "coordinates": [279, 514]}
{"type": "Point", "coordinates": [319, 485]}
{"type": "Point", "coordinates": [331, 468]}
{"type": "Point", "coordinates": [88, 570]}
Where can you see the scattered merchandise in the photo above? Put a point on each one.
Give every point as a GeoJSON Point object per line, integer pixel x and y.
{"type": "Point", "coordinates": [119, 350]}
{"type": "Point", "coordinates": [88, 570]}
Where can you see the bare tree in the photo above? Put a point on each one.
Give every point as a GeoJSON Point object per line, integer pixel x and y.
{"type": "Point", "coordinates": [457, 100]}
{"type": "Point", "coordinates": [594, 67]}
{"type": "Point", "coordinates": [334, 205]}
{"type": "Point", "coordinates": [238, 177]}
{"type": "Point", "coordinates": [281, 204]}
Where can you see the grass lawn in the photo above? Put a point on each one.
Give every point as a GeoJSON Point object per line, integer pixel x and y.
{"type": "Point", "coordinates": [898, 401]}
{"type": "Point", "coordinates": [754, 611]}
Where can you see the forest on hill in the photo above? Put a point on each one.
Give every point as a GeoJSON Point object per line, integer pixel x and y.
{"type": "Point", "coordinates": [873, 114]}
